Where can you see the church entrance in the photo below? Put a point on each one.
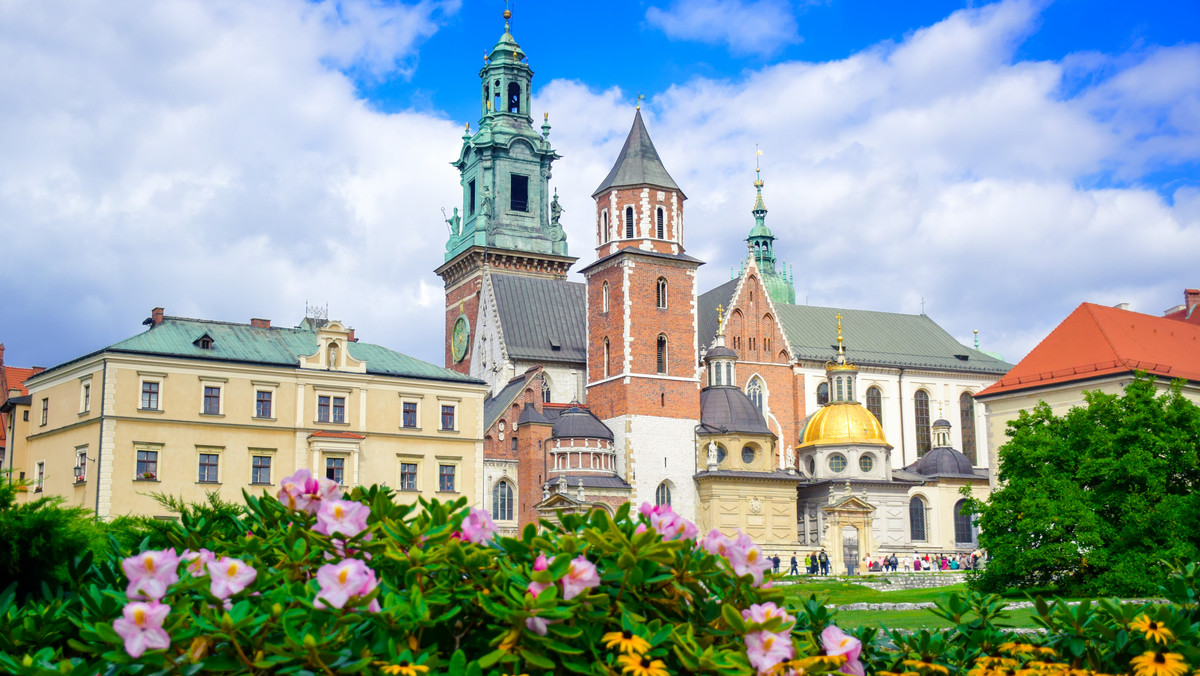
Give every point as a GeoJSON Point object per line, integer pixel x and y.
{"type": "Point", "coordinates": [850, 549]}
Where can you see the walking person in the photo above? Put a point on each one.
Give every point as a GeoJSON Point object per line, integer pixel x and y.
{"type": "Point", "coordinates": [775, 562]}
{"type": "Point", "coordinates": [823, 558]}
{"type": "Point", "coordinates": [795, 570]}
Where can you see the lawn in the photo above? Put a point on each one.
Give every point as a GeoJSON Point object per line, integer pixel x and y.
{"type": "Point", "coordinates": [919, 619]}
{"type": "Point", "coordinates": [841, 593]}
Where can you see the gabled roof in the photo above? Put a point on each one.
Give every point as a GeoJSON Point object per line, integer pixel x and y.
{"type": "Point", "coordinates": [1096, 340]}
{"type": "Point", "coordinates": [707, 305]}
{"type": "Point", "coordinates": [494, 407]}
{"type": "Point", "coordinates": [638, 163]}
{"type": "Point", "coordinates": [542, 319]}
{"type": "Point", "coordinates": [273, 346]}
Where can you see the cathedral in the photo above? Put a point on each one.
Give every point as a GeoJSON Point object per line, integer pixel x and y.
{"type": "Point", "coordinates": [736, 406]}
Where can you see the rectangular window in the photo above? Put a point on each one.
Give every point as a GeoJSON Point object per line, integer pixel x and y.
{"type": "Point", "coordinates": [212, 400]}
{"type": "Point", "coordinates": [410, 414]}
{"type": "Point", "coordinates": [81, 465]}
{"type": "Point", "coordinates": [446, 478]}
{"type": "Point", "coordinates": [147, 465]}
{"type": "Point", "coordinates": [447, 417]}
{"type": "Point", "coordinates": [408, 476]}
{"type": "Point", "coordinates": [45, 410]}
{"type": "Point", "coordinates": [331, 409]}
{"type": "Point", "coordinates": [335, 470]}
{"type": "Point", "coordinates": [41, 477]}
{"type": "Point", "coordinates": [262, 404]}
{"type": "Point", "coordinates": [519, 193]}
{"type": "Point", "coordinates": [260, 469]}
{"type": "Point", "coordinates": [150, 396]}
{"type": "Point", "coordinates": [208, 468]}
{"type": "Point", "coordinates": [471, 197]}
{"type": "Point", "coordinates": [86, 395]}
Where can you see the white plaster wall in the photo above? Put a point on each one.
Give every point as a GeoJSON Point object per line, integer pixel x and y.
{"type": "Point", "coordinates": [662, 449]}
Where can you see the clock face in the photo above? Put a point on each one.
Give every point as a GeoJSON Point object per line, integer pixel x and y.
{"type": "Point", "coordinates": [460, 337]}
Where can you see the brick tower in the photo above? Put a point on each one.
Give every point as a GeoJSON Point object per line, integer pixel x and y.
{"type": "Point", "coordinates": [507, 221]}
{"type": "Point", "coordinates": [642, 354]}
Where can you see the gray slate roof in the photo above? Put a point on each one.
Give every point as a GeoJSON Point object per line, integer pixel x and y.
{"type": "Point", "coordinates": [274, 346]}
{"type": "Point", "coordinates": [707, 305]}
{"type": "Point", "coordinates": [535, 313]}
{"type": "Point", "coordinates": [591, 481]}
{"type": "Point", "coordinates": [579, 423]}
{"type": "Point", "coordinates": [494, 407]}
{"type": "Point", "coordinates": [943, 461]}
{"type": "Point", "coordinates": [729, 409]}
{"type": "Point", "coordinates": [638, 163]}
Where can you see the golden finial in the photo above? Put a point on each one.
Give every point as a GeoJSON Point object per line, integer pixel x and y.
{"type": "Point", "coordinates": [839, 324]}
{"type": "Point", "coordinates": [467, 128]}
{"type": "Point", "coordinates": [758, 182]}
{"type": "Point", "coordinates": [720, 318]}
{"type": "Point", "coordinates": [545, 117]}
{"type": "Point", "coordinates": [507, 15]}
{"type": "Point", "coordinates": [485, 57]}
{"type": "Point", "coordinates": [639, 101]}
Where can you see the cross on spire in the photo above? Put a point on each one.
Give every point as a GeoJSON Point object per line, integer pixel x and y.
{"type": "Point", "coordinates": [720, 318]}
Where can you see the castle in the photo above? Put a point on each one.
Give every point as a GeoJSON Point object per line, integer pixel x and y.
{"type": "Point", "coordinates": [734, 405]}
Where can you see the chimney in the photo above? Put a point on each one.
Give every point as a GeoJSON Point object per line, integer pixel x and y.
{"type": "Point", "coordinates": [1122, 306]}
{"type": "Point", "coordinates": [1, 354]}
{"type": "Point", "coordinates": [156, 316]}
{"type": "Point", "coordinates": [1191, 298]}
{"type": "Point", "coordinates": [260, 323]}
{"type": "Point", "coordinates": [351, 337]}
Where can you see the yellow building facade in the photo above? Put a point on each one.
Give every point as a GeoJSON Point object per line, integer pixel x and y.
{"type": "Point", "coordinates": [192, 406]}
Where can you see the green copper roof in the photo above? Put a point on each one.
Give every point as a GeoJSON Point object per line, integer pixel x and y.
{"type": "Point", "coordinates": [638, 163]}
{"type": "Point", "coordinates": [275, 346]}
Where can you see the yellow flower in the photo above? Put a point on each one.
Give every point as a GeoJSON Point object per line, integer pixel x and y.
{"type": "Point", "coordinates": [404, 669]}
{"type": "Point", "coordinates": [1015, 648]}
{"type": "Point", "coordinates": [509, 642]}
{"type": "Point", "coordinates": [826, 662]}
{"type": "Point", "coordinates": [1043, 650]}
{"type": "Point", "coordinates": [1153, 630]}
{"type": "Point", "coordinates": [625, 641]}
{"type": "Point", "coordinates": [923, 667]}
{"type": "Point", "coordinates": [1153, 663]}
{"type": "Point", "coordinates": [640, 665]}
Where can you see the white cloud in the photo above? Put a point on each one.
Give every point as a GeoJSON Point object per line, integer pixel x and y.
{"type": "Point", "coordinates": [745, 26]}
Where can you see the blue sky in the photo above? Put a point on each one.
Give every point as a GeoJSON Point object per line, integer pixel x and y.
{"type": "Point", "coordinates": [1002, 161]}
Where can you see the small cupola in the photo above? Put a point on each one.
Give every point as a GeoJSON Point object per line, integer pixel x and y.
{"type": "Point", "coordinates": [840, 373]}
{"type": "Point", "coordinates": [720, 360]}
{"type": "Point", "coordinates": [941, 433]}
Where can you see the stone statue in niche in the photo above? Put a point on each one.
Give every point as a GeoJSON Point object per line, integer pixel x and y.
{"type": "Point", "coordinates": [712, 455]}
{"type": "Point", "coordinates": [485, 209]}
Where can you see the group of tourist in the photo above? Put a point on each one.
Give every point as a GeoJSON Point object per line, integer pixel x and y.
{"type": "Point", "coordinates": [817, 563]}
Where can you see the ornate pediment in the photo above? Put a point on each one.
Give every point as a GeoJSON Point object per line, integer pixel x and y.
{"type": "Point", "coordinates": [851, 505]}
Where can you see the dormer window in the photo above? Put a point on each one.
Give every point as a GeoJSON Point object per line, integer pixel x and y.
{"type": "Point", "coordinates": [204, 342]}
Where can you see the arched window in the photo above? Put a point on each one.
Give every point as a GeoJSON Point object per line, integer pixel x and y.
{"type": "Point", "coordinates": [660, 293]}
{"type": "Point", "coordinates": [754, 390]}
{"type": "Point", "coordinates": [916, 519]}
{"type": "Point", "coordinates": [662, 495]}
{"type": "Point", "coordinates": [496, 97]}
{"type": "Point", "coordinates": [604, 297]}
{"type": "Point", "coordinates": [502, 501]}
{"type": "Point", "coordinates": [659, 230]}
{"type": "Point", "coordinates": [604, 227]}
{"type": "Point", "coordinates": [545, 392]}
{"type": "Point", "coordinates": [963, 533]}
{"type": "Point", "coordinates": [875, 402]}
{"type": "Point", "coordinates": [921, 406]}
{"type": "Point", "coordinates": [628, 222]}
{"type": "Point", "coordinates": [514, 97]}
{"type": "Point", "coordinates": [966, 407]}
{"type": "Point", "coordinates": [662, 354]}
{"type": "Point", "coordinates": [823, 393]}
{"type": "Point", "coordinates": [514, 443]}
{"type": "Point", "coordinates": [605, 357]}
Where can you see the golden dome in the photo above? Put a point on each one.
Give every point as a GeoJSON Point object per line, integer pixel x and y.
{"type": "Point", "coordinates": [843, 422]}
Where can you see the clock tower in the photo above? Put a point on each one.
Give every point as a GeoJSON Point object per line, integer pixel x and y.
{"type": "Point", "coordinates": [508, 220]}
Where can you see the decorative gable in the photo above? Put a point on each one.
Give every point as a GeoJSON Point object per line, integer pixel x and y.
{"type": "Point", "coordinates": [333, 354]}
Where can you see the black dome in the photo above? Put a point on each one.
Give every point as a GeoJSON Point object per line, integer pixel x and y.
{"type": "Point", "coordinates": [731, 409]}
{"type": "Point", "coordinates": [942, 461]}
{"type": "Point", "coordinates": [579, 423]}
{"type": "Point", "coordinates": [940, 422]}
{"type": "Point", "coordinates": [720, 351]}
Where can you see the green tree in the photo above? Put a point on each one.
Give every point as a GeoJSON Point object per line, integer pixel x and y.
{"type": "Point", "coordinates": [1096, 501]}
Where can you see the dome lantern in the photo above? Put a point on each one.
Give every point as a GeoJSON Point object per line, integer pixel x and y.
{"type": "Point", "coordinates": [721, 361]}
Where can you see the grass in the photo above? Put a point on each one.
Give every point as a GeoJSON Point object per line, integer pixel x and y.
{"type": "Point", "coordinates": [919, 619]}
{"type": "Point", "coordinates": [841, 593]}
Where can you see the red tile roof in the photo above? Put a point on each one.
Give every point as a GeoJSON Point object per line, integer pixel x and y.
{"type": "Point", "coordinates": [1096, 340]}
{"type": "Point", "coordinates": [15, 378]}
{"type": "Point", "coordinates": [322, 434]}
{"type": "Point", "coordinates": [1191, 308]}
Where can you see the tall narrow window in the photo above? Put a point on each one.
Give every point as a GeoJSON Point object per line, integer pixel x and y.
{"type": "Point", "coordinates": [408, 412]}
{"type": "Point", "coordinates": [545, 392]}
{"type": "Point", "coordinates": [335, 470]}
{"type": "Point", "coordinates": [604, 297]}
{"type": "Point", "coordinates": [447, 417]}
{"type": "Point", "coordinates": [604, 227]}
{"type": "Point", "coordinates": [875, 402]}
{"type": "Point", "coordinates": [514, 97]}
{"type": "Point", "coordinates": [41, 478]}
{"type": "Point", "coordinates": [966, 407]}
{"type": "Point", "coordinates": [662, 354]}
{"type": "Point", "coordinates": [823, 393]}
{"type": "Point", "coordinates": [729, 373]}
{"type": "Point", "coordinates": [471, 197]}
{"type": "Point", "coordinates": [212, 400]}
{"type": "Point", "coordinates": [628, 222]}
{"type": "Point", "coordinates": [262, 404]}
{"type": "Point", "coordinates": [446, 478]}
{"type": "Point", "coordinates": [921, 408]}
{"type": "Point", "coordinates": [518, 199]}
{"type": "Point", "coordinates": [962, 524]}
{"type": "Point", "coordinates": [916, 519]}
{"type": "Point", "coordinates": [45, 410]}
{"type": "Point", "coordinates": [660, 293]}
{"type": "Point", "coordinates": [408, 476]}
{"type": "Point", "coordinates": [496, 97]}
{"type": "Point", "coordinates": [606, 364]}
{"type": "Point", "coordinates": [838, 382]}
{"type": "Point", "coordinates": [754, 390]}
{"type": "Point", "coordinates": [662, 494]}
{"type": "Point", "coordinates": [659, 224]}
{"type": "Point", "coordinates": [502, 501]}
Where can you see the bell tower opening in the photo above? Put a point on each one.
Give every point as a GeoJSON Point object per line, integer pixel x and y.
{"type": "Point", "coordinates": [514, 97]}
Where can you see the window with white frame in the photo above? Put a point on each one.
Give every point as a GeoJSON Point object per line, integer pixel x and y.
{"type": "Point", "coordinates": [335, 469]}
{"type": "Point", "coordinates": [80, 464]}
{"type": "Point", "coordinates": [260, 469]}
{"type": "Point", "coordinates": [446, 478]}
{"type": "Point", "coordinates": [408, 414]}
{"type": "Point", "coordinates": [264, 404]}
{"type": "Point", "coordinates": [208, 467]}
{"type": "Point", "coordinates": [85, 395]}
{"type": "Point", "coordinates": [41, 477]}
{"type": "Point", "coordinates": [45, 410]}
{"type": "Point", "coordinates": [447, 419]}
{"type": "Point", "coordinates": [151, 391]}
{"type": "Point", "coordinates": [502, 501]}
{"type": "Point", "coordinates": [331, 408]}
{"type": "Point", "coordinates": [408, 475]}
{"type": "Point", "coordinates": [212, 399]}
{"type": "Point", "coordinates": [147, 465]}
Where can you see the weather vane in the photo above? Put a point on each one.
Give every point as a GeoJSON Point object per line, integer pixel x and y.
{"type": "Point", "coordinates": [640, 97]}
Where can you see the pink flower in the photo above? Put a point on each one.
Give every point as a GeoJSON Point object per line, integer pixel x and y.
{"type": "Point", "coordinates": [304, 492]}
{"type": "Point", "coordinates": [716, 543]}
{"type": "Point", "coordinates": [763, 612]}
{"type": "Point", "coordinates": [478, 526]}
{"type": "Point", "coordinates": [581, 576]}
{"type": "Point", "coordinates": [150, 573]}
{"type": "Point", "coordinates": [344, 517]}
{"type": "Point", "coordinates": [836, 642]}
{"type": "Point", "coordinates": [537, 625]}
{"type": "Point", "coordinates": [142, 627]}
{"type": "Point", "coordinates": [765, 649]}
{"type": "Point", "coordinates": [197, 561]}
{"type": "Point", "coordinates": [229, 576]}
{"type": "Point", "coordinates": [340, 581]}
{"type": "Point", "coordinates": [669, 525]}
{"type": "Point", "coordinates": [535, 588]}
{"type": "Point", "coordinates": [747, 559]}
